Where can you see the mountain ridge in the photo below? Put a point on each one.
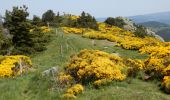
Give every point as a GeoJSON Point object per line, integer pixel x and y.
{"type": "Point", "coordinates": [162, 17]}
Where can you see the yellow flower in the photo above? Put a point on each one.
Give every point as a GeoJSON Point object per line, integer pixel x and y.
{"type": "Point", "coordinates": [9, 65]}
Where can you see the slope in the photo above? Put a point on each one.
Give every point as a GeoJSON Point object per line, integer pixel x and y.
{"type": "Point", "coordinates": [34, 87]}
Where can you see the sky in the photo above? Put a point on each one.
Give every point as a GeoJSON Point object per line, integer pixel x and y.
{"type": "Point", "coordinates": [97, 8]}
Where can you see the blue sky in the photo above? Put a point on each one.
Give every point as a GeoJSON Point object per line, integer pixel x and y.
{"type": "Point", "coordinates": [97, 8]}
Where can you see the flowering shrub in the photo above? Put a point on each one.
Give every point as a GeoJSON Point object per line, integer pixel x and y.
{"type": "Point", "coordinates": [43, 29]}
{"type": "Point", "coordinates": [68, 96]}
{"type": "Point", "coordinates": [91, 65]}
{"type": "Point", "coordinates": [166, 84]}
{"type": "Point", "coordinates": [134, 66]}
{"type": "Point", "coordinates": [9, 65]}
{"type": "Point", "coordinates": [101, 82]}
{"type": "Point", "coordinates": [154, 64]}
{"type": "Point", "coordinates": [73, 91]}
{"type": "Point", "coordinates": [73, 17]}
{"type": "Point", "coordinates": [65, 78]}
{"type": "Point", "coordinates": [160, 50]}
{"type": "Point", "coordinates": [166, 71]}
{"type": "Point", "coordinates": [125, 39]}
{"type": "Point", "coordinates": [73, 30]}
{"type": "Point", "coordinates": [76, 89]}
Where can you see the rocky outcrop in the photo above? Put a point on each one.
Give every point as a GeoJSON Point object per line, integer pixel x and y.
{"type": "Point", "coordinates": [130, 26]}
{"type": "Point", "coordinates": [149, 32]}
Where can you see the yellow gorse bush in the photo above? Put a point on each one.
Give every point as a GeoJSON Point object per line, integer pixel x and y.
{"type": "Point", "coordinates": [166, 84]}
{"type": "Point", "coordinates": [160, 51]}
{"type": "Point", "coordinates": [65, 78]}
{"type": "Point", "coordinates": [83, 66]}
{"type": "Point", "coordinates": [73, 17]}
{"type": "Point", "coordinates": [166, 71]}
{"type": "Point", "coordinates": [125, 39]}
{"type": "Point", "coordinates": [9, 65]}
{"type": "Point", "coordinates": [76, 89]}
{"type": "Point", "coordinates": [94, 65]}
{"type": "Point", "coordinates": [43, 29]}
{"type": "Point", "coordinates": [73, 91]}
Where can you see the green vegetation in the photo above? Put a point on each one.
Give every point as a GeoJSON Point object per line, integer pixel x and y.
{"type": "Point", "coordinates": [87, 21]}
{"type": "Point", "coordinates": [155, 26]}
{"type": "Point", "coordinates": [5, 41]}
{"type": "Point", "coordinates": [165, 34]}
{"type": "Point", "coordinates": [48, 17]}
{"type": "Point", "coordinates": [55, 48]}
{"type": "Point", "coordinates": [132, 89]}
{"type": "Point", "coordinates": [115, 21]}
{"type": "Point", "coordinates": [140, 31]}
{"type": "Point", "coordinates": [24, 41]}
{"type": "Point", "coordinates": [35, 87]}
{"type": "Point", "coordinates": [161, 29]}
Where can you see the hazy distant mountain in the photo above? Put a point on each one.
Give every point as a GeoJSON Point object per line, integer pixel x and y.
{"type": "Point", "coordinates": [101, 19]}
{"type": "Point", "coordinates": [163, 17]}
{"type": "Point", "coordinates": [161, 29]}
{"type": "Point", "coordinates": [155, 26]}
{"type": "Point", "coordinates": [165, 34]}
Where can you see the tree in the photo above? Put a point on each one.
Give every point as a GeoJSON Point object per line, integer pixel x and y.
{"type": "Point", "coordinates": [110, 21]}
{"type": "Point", "coordinates": [24, 41]}
{"type": "Point", "coordinates": [36, 21]}
{"type": "Point", "coordinates": [57, 20]}
{"type": "Point", "coordinates": [48, 16]}
{"type": "Point", "coordinates": [140, 31]}
{"type": "Point", "coordinates": [18, 26]}
{"type": "Point", "coordinates": [115, 21]}
{"type": "Point", "coordinates": [5, 41]}
{"type": "Point", "coordinates": [87, 21]}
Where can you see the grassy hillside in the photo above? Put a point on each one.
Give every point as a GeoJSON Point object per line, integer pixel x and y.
{"type": "Point", "coordinates": [34, 87]}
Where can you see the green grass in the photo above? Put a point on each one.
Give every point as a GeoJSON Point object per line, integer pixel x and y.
{"type": "Point", "coordinates": [134, 54]}
{"type": "Point", "coordinates": [135, 90]}
{"type": "Point", "coordinates": [59, 50]}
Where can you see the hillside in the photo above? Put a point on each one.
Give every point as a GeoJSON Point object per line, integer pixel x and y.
{"type": "Point", "coordinates": [65, 57]}
{"type": "Point", "coordinates": [36, 87]}
{"type": "Point", "coordinates": [162, 17]}
{"type": "Point", "coordinates": [155, 26]}
{"type": "Point", "coordinates": [161, 29]}
{"type": "Point", "coordinates": [165, 33]}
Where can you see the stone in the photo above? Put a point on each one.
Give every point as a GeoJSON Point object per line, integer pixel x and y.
{"type": "Point", "coordinates": [51, 72]}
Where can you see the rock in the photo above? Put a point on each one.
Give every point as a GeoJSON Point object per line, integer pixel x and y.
{"type": "Point", "coordinates": [149, 32]}
{"type": "Point", "coordinates": [117, 54]}
{"type": "Point", "coordinates": [147, 77]}
{"type": "Point", "coordinates": [50, 72]}
{"type": "Point", "coordinates": [130, 26]}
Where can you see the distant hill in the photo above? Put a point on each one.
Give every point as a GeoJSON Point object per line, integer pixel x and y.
{"type": "Point", "coordinates": [165, 34]}
{"type": "Point", "coordinates": [163, 17]}
{"type": "Point", "coordinates": [155, 26]}
{"type": "Point", "coordinates": [101, 19]}
{"type": "Point", "coordinates": [161, 29]}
